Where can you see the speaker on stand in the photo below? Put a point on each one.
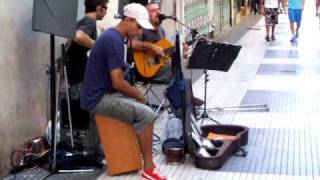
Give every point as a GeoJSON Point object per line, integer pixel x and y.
{"type": "Point", "coordinates": [54, 17]}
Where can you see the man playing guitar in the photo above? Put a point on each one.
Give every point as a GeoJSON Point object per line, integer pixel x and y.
{"type": "Point", "coordinates": [148, 39]}
{"type": "Point", "coordinates": [147, 42]}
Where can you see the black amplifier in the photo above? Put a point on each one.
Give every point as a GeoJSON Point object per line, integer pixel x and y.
{"type": "Point", "coordinates": [80, 117]}
{"type": "Point", "coordinates": [85, 133]}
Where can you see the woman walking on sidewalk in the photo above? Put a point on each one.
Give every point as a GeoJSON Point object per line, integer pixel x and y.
{"type": "Point", "coordinates": [270, 10]}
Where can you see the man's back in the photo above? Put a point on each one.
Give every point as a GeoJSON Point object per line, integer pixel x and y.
{"type": "Point", "coordinates": [107, 54]}
{"type": "Point", "coordinates": [77, 53]}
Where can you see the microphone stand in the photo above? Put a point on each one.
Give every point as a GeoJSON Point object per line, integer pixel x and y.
{"type": "Point", "coordinates": [194, 32]}
{"type": "Point", "coordinates": [253, 107]}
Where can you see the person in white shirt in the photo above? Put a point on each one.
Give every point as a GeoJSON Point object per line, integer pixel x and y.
{"type": "Point", "coordinates": [270, 10]}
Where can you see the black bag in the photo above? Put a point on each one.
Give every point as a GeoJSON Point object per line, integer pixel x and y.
{"type": "Point", "coordinates": [175, 91]}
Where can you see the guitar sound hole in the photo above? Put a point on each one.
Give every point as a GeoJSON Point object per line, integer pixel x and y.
{"type": "Point", "coordinates": [157, 60]}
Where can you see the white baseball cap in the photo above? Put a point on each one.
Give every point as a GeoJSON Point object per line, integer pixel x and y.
{"type": "Point", "coordinates": [139, 13]}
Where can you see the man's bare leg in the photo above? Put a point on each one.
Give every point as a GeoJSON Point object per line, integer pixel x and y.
{"type": "Point", "coordinates": [292, 28]}
{"type": "Point", "coordinates": [267, 30]}
{"type": "Point", "coordinates": [272, 32]}
{"type": "Point", "coordinates": [145, 139]}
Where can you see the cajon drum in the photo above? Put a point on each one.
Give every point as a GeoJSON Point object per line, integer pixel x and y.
{"type": "Point", "coordinates": [120, 145]}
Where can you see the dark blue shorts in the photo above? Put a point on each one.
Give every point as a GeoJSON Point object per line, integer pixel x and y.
{"type": "Point", "coordinates": [295, 15]}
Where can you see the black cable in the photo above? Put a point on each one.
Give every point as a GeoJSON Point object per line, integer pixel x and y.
{"type": "Point", "coordinates": [156, 141]}
{"type": "Point", "coordinates": [18, 168]}
{"type": "Point", "coordinates": [15, 169]}
{"type": "Point", "coordinates": [13, 166]}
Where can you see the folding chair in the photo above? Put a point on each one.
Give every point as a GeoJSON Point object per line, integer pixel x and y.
{"type": "Point", "coordinates": [154, 91]}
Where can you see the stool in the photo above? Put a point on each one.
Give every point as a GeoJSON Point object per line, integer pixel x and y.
{"type": "Point", "coordinates": [120, 145]}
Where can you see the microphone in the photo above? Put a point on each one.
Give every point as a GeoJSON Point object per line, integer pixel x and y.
{"type": "Point", "coordinates": [163, 17]}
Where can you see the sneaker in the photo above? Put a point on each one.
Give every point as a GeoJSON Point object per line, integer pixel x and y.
{"type": "Point", "coordinates": [293, 38]}
{"type": "Point", "coordinates": [152, 174]}
{"type": "Point", "coordinates": [273, 38]}
{"type": "Point", "coordinates": [267, 38]}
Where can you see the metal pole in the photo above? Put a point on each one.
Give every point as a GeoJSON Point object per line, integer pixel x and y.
{"type": "Point", "coordinates": [52, 93]}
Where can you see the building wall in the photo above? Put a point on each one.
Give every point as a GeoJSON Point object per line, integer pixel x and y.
{"type": "Point", "coordinates": [109, 20]}
{"type": "Point", "coordinates": [208, 16]}
{"type": "Point", "coordinates": [198, 15]}
{"type": "Point", "coordinates": [24, 59]}
{"type": "Point", "coordinates": [168, 8]}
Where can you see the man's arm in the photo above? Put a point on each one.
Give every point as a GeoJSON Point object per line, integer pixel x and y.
{"type": "Point", "coordinates": [145, 45]}
{"type": "Point", "coordinates": [84, 39]}
{"type": "Point", "coordinates": [121, 85]}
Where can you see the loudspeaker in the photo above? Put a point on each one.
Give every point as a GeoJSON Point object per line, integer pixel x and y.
{"type": "Point", "coordinates": [83, 139]}
{"type": "Point", "coordinates": [85, 132]}
{"type": "Point", "coordinates": [55, 17]}
{"type": "Point", "coordinates": [80, 117]}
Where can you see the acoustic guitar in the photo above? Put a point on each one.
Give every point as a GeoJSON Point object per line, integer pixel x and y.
{"type": "Point", "coordinates": [148, 63]}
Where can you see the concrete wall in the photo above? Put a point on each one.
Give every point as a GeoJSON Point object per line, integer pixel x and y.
{"type": "Point", "coordinates": [24, 56]}
{"type": "Point", "coordinates": [168, 8]}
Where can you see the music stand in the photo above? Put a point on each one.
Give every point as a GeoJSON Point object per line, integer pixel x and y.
{"type": "Point", "coordinates": [210, 55]}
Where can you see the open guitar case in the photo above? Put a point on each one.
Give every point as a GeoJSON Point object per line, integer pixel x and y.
{"type": "Point", "coordinates": [219, 154]}
{"type": "Point", "coordinates": [223, 150]}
